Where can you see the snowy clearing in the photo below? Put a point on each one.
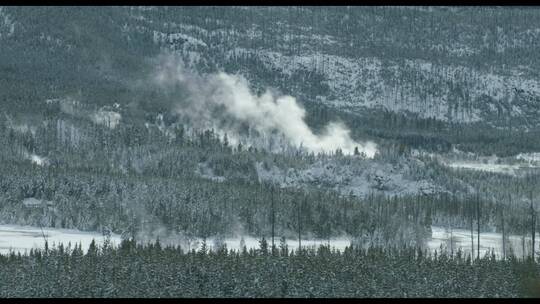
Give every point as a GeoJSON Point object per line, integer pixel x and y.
{"type": "Point", "coordinates": [489, 241]}
{"type": "Point", "coordinates": [495, 168]}
{"type": "Point", "coordinates": [23, 238]}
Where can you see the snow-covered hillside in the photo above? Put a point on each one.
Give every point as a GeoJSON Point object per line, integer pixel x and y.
{"type": "Point", "coordinates": [443, 92]}
{"type": "Point", "coordinates": [359, 178]}
{"type": "Point", "coordinates": [428, 88]}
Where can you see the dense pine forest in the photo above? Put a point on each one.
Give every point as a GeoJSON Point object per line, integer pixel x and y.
{"type": "Point", "coordinates": [153, 271]}
{"type": "Point", "coordinates": [410, 132]}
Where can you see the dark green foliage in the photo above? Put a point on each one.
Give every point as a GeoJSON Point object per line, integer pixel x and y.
{"type": "Point", "coordinates": [133, 270]}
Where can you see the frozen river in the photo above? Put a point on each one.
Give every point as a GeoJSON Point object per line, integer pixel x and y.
{"type": "Point", "coordinates": [23, 238]}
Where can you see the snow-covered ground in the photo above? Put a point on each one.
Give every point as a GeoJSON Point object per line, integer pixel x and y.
{"type": "Point", "coordinates": [250, 242]}
{"type": "Point", "coordinates": [36, 159]}
{"type": "Point", "coordinates": [461, 238]}
{"type": "Point", "coordinates": [361, 178]}
{"type": "Point", "coordinates": [108, 118]}
{"type": "Point", "coordinates": [495, 168]}
{"type": "Point", "coordinates": [457, 159]}
{"type": "Point", "coordinates": [23, 238]}
{"type": "Point", "coordinates": [489, 241]}
{"type": "Point", "coordinates": [533, 158]}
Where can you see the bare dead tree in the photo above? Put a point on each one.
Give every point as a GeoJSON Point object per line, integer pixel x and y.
{"type": "Point", "coordinates": [273, 218]}
{"type": "Point", "coordinates": [503, 234]}
{"type": "Point", "coordinates": [472, 234]}
{"type": "Point", "coordinates": [299, 228]}
{"type": "Point", "coordinates": [478, 225]}
{"type": "Point", "coordinates": [533, 225]}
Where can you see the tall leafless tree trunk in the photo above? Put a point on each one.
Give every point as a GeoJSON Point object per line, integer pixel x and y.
{"type": "Point", "coordinates": [533, 225]}
{"type": "Point", "coordinates": [472, 236]}
{"type": "Point", "coordinates": [299, 229]}
{"type": "Point", "coordinates": [478, 225]}
{"type": "Point", "coordinates": [503, 234]}
{"type": "Point", "coordinates": [273, 219]}
{"type": "Point", "coordinates": [523, 246]}
{"type": "Point", "coordinates": [451, 242]}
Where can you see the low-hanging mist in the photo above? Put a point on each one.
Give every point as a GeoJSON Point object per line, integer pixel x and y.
{"type": "Point", "coordinates": [212, 97]}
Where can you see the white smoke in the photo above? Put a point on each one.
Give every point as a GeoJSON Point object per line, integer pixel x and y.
{"type": "Point", "coordinates": [230, 95]}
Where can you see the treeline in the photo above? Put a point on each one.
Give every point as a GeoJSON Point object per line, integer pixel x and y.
{"type": "Point", "coordinates": [133, 270]}
{"type": "Point", "coordinates": [200, 207]}
{"type": "Point", "coordinates": [148, 207]}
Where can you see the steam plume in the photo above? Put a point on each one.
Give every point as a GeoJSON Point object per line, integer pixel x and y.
{"type": "Point", "coordinates": [229, 95]}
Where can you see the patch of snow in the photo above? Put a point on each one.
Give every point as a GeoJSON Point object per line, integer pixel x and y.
{"type": "Point", "coordinates": [439, 240]}
{"type": "Point", "coordinates": [38, 160]}
{"type": "Point", "coordinates": [359, 178]}
{"type": "Point", "coordinates": [174, 38]}
{"type": "Point", "coordinates": [496, 168]}
{"type": "Point", "coordinates": [250, 242]}
{"type": "Point", "coordinates": [489, 241]}
{"type": "Point", "coordinates": [7, 25]}
{"type": "Point", "coordinates": [457, 159]}
{"type": "Point", "coordinates": [23, 238]}
{"type": "Point", "coordinates": [23, 128]}
{"type": "Point", "coordinates": [529, 157]}
{"type": "Point", "coordinates": [67, 105]}
{"type": "Point", "coordinates": [204, 171]}
{"type": "Point", "coordinates": [34, 202]}
{"type": "Point", "coordinates": [110, 119]}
